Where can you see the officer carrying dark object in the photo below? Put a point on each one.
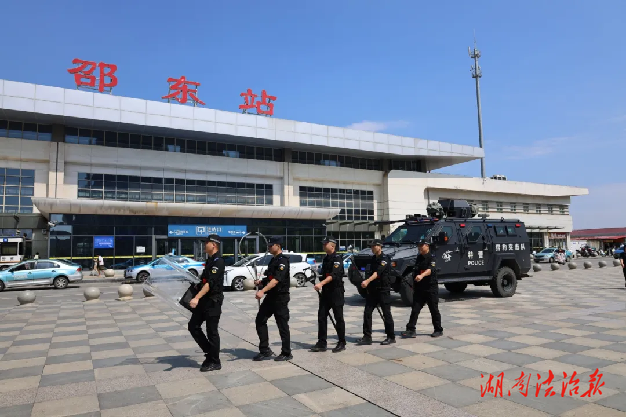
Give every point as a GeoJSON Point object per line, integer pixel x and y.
{"type": "Point", "coordinates": [331, 287]}
{"type": "Point", "coordinates": [378, 293]}
{"type": "Point", "coordinates": [425, 291]}
{"type": "Point", "coordinates": [275, 287]}
{"type": "Point", "coordinates": [207, 306]}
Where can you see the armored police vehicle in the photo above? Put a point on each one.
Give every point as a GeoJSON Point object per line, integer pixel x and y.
{"type": "Point", "coordinates": [467, 249]}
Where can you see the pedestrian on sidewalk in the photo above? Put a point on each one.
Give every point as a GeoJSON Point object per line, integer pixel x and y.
{"type": "Point", "coordinates": [622, 260]}
{"type": "Point", "coordinates": [207, 306]}
{"type": "Point", "coordinates": [100, 264]}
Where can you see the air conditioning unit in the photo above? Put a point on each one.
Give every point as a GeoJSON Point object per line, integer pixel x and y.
{"type": "Point", "coordinates": [498, 177]}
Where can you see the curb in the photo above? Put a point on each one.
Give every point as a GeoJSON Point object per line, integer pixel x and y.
{"type": "Point", "coordinates": [107, 280]}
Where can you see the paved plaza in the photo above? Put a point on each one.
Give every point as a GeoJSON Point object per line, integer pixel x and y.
{"type": "Point", "coordinates": [64, 357]}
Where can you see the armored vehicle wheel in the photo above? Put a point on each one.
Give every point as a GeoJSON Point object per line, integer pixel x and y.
{"type": "Point", "coordinates": [406, 290]}
{"type": "Point", "coordinates": [455, 287]}
{"type": "Point", "coordinates": [504, 283]}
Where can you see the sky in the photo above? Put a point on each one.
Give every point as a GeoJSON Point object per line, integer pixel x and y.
{"type": "Point", "coordinates": [552, 90]}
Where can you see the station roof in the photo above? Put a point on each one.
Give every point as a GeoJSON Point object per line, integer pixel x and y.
{"type": "Point", "coordinates": [45, 104]}
{"type": "Point", "coordinates": [600, 234]}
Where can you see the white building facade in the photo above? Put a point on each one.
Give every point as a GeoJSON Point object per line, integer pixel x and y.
{"type": "Point", "coordinates": [85, 173]}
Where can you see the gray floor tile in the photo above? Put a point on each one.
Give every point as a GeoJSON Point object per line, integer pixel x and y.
{"type": "Point", "coordinates": [453, 394]}
{"type": "Point", "coordinates": [447, 342]}
{"type": "Point", "coordinates": [68, 358]}
{"type": "Point", "coordinates": [514, 358]}
{"type": "Point", "coordinates": [109, 346]}
{"type": "Point", "coordinates": [69, 344]}
{"type": "Point", "coordinates": [607, 337]}
{"type": "Point", "coordinates": [498, 334]}
{"type": "Point", "coordinates": [197, 404]}
{"type": "Point", "coordinates": [452, 372]}
{"type": "Point", "coordinates": [365, 409]}
{"type": "Point", "coordinates": [229, 380]}
{"type": "Point", "coordinates": [68, 333]}
{"type": "Point", "coordinates": [88, 414]}
{"type": "Point", "coordinates": [583, 361]}
{"type": "Point", "coordinates": [21, 372]}
{"type": "Point", "coordinates": [385, 368]}
{"type": "Point", "coordinates": [281, 407]}
{"type": "Point", "coordinates": [139, 337]}
{"type": "Point", "coordinates": [31, 341]}
{"type": "Point", "coordinates": [505, 345]}
{"type": "Point", "coordinates": [451, 356]}
{"type": "Point", "coordinates": [128, 397]}
{"type": "Point", "coordinates": [106, 335]}
{"type": "Point", "coordinates": [619, 347]}
{"type": "Point", "coordinates": [391, 353]}
{"type": "Point", "coordinates": [616, 401]}
{"type": "Point", "coordinates": [16, 411]}
{"type": "Point", "coordinates": [554, 405]}
{"type": "Point", "coordinates": [25, 355]}
{"type": "Point", "coordinates": [554, 336]}
{"type": "Point", "coordinates": [589, 328]}
{"type": "Point", "coordinates": [65, 378]}
{"type": "Point", "coordinates": [570, 348]}
{"type": "Point", "coordinates": [152, 348]}
{"type": "Point", "coordinates": [541, 327]}
{"type": "Point", "coordinates": [301, 384]}
{"type": "Point", "coordinates": [115, 361]}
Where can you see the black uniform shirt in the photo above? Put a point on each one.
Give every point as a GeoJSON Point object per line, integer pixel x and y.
{"type": "Point", "coordinates": [213, 274]}
{"type": "Point", "coordinates": [623, 255]}
{"type": "Point", "coordinates": [380, 264]}
{"type": "Point", "coordinates": [278, 269]}
{"type": "Point", "coordinates": [332, 266]}
{"type": "Point", "coordinates": [423, 263]}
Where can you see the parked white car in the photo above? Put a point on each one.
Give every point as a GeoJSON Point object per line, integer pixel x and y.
{"type": "Point", "coordinates": [235, 275]}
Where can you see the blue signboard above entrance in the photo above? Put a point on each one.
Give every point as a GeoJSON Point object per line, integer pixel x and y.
{"type": "Point", "coordinates": [203, 231]}
{"type": "Point", "coordinates": [103, 242]}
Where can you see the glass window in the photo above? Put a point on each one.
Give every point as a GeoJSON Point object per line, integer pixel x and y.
{"type": "Point", "coordinates": [15, 130]}
{"type": "Point", "coordinates": [562, 209]}
{"type": "Point", "coordinates": [499, 207]}
{"type": "Point", "coordinates": [500, 230]}
{"type": "Point", "coordinates": [474, 234]}
{"type": "Point", "coordinates": [510, 231]}
{"type": "Point", "coordinates": [513, 207]}
{"type": "Point", "coordinates": [537, 208]}
{"type": "Point", "coordinates": [30, 131]}
{"type": "Point", "coordinates": [97, 138]}
{"type": "Point", "coordinates": [550, 209]}
{"type": "Point", "coordinates": [526, 208]}
{"type": "Point", "coordinates": [3, 128]}
{"type": "Point", "coordinates": [484, 206]}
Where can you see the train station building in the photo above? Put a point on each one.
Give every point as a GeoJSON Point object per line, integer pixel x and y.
{"type": "Point", "coordinates": [87, 173]}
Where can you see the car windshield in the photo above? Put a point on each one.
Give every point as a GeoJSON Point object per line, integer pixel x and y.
{"type": "Point", "coordinates": [408, 234]}
{"type": "Point", "coordinates": [244, 260]}
{"type": "Point", "coordinates": [547, 251]}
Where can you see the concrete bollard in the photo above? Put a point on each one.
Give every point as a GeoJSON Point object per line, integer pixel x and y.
{"type": "Point", "coordinates": [109, 273]}
{"type": "Point", "coordinates": [125, 292]}
{"type": "Point", "coordinates": [601, 264]}
{"type": "Point", "coordinates": [26, 297]}
{"type": "Point", "coordinates": [616, 263]}
{"type": "Point", "coordinates": [293, 282]}
{"type": "Point", "coordinates": [572, 266]}
{"type": "Point", "coordinates": [587, 264]}
{"type": "Point", "coordinates": [147, 293]}
{"type": "Point", "coordinates": [554, 266]}
{"type": "Point", "coordinates": [536, 268]}
{"type": "Point", "coordinates": [91, 294]}
{"type": "Point", "coordinates": [248, 284]}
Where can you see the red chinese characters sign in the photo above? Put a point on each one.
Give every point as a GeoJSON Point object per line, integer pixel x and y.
{"type": "Point", "coordinates": [263, 106]}
{"type": "Point", "coordinates": [180, 90]}
{"type": "Point", "coordinates": [85, 77]}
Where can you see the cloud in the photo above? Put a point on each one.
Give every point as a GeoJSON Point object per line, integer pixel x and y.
{"type": "Point", "coordinates": [374, 126]}
{"type": "Point", "coordinates": [539, 148]}
{"type": "Point", "coordinates": [603, 207]}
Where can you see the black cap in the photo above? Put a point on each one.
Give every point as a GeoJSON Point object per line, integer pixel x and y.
{"type": "Point", "coordinates": [215, 238]}
{"type": "Point", "coordinates": [329, 238]}
{"type": "Point", "coordinates": [376, 241]}
{"type": "Point", "coordinates": [275, 240]}
{"type": "Point", "coordinates": [422, 242]}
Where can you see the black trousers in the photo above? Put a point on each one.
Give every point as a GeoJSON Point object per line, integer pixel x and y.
{"type": "Point", "coordinates": [382, 299]}
{"type": "Point", "coordinates": [279, 307]}
{"type": "Point", "coordinates": [423, 297]}
{"type": "Point", "coordinates": [210, 313]}
{"type": "Point", "coordinates": [624, 273]}
{"type": "Point", "coordinates": [335, 302]}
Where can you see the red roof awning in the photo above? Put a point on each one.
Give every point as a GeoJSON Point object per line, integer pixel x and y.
{"type": "Point", "coordinates": [600, 237]}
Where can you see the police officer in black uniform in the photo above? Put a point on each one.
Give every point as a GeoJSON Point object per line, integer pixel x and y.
{"type": "Point", "coordinates": [207, 306]}
{"type": "Point", "coordinates": [378, 293]}
{"type": "Point", "coordinates": [622, 260]}
{"type": "Point", "coordinates": [275, 287]}
{"type": "Point", "coordinates": [331, 287]}
{"type": "Point", "coordinates": [425, 291]}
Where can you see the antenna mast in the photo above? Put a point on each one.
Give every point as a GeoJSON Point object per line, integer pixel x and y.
{"type": "Point", "coordinates": [477, 74]}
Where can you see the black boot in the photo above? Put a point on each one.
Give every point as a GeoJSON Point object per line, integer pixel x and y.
{"type": "Point", "coordinates": [388, 341]}
{"type": "Point", "coordinates": [408, 334]}
{"type": "Point", "coordinates": [284, 357]}
{"type": "Point", "coordinates": [364, 341]}
{"type": "Point", "coordinates": [341, 345]}
{"type": "Point", "coordinates": [319, 347]}
{"type": "Point", "coordinates": [263, 356]}
{"type": "Point", "coordinates": [206, 364]}
{"type": "Point", "coordinates": [436, 334]}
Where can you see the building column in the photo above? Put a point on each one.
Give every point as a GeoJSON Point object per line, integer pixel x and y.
{"type": "Point", "coordinates": [288, 195]}
{"type": "Point", "coordinates": [56, 169]}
